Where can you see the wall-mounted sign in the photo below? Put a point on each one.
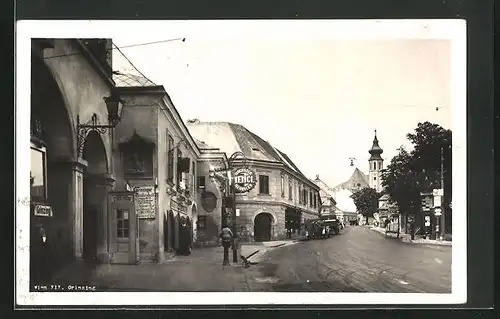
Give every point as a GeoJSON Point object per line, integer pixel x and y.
{"type": "Point", "coordinates": [178, 206]}
{"type": "Point", "coordinates": [244, 180]}
{"type": "Point", "coordinates": [43, 210]}
{"type": "Point", "coordinates": [437, 192]}
{"type": "Point", "coordinates": [122, 198]}
{"type": "Point", "coordinates": [145, 201]}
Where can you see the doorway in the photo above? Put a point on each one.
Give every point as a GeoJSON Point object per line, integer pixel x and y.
{"type": "Point", "coordinates": [262, 227]}
{"type": "Point", "coordinates": [94, 198]}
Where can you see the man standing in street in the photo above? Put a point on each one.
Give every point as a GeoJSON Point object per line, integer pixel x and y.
{"type": "Point", "coordinates": [227, 236]}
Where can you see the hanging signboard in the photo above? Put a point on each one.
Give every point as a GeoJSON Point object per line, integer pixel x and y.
{"type": "Point", "coordinates": [437, 192]}
{"type": "Point", "coordinates": [145, 201]}
{"type": "Point", "coordinates": [178, 206]}
{"type": "Point", "coordinates": [437, 201]}
{"type": "Point", "coordinates": [244, 180]}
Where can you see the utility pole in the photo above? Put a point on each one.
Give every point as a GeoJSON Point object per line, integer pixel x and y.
{"type": "Point", "coordinates": [442, 187]}
{"type": "Point", "coordinates": [235, 240]}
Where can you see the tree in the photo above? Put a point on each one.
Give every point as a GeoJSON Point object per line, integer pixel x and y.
{"type": "Point", "coordinates": [366, 201]}
{"type": "Point", "coordinates": [401, 181]}
{"type": "Point", "coordinates": [409, 174]}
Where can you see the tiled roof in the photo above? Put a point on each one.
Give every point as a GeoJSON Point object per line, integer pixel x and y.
{"type": "Point", "coordinates": [127, 80]}
{"type": "Point", "coordinates": [230, 138]}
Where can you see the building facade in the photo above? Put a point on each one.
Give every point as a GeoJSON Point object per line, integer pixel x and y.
{"type": "Point", "coordinates": [113, 174]}
{"type": "Point", "coordinates": [281, 198]}
{"type": "Point", "coordinates": [156, 158]}
{"type": "Point", "coordinates": [328, 203]}
{"type": "Point", "coordinates": [71, 169]}
{"type": "Point", "coordinates": [210, 193]}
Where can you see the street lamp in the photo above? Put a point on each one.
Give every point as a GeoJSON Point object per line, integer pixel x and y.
{"type": "Point", "coordinates": [232, 191]}
{"type": "Point", "coordinates": [115, 106]}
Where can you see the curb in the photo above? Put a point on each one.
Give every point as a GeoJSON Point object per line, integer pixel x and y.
{"type": "Point", "coordinates": [404, 239]}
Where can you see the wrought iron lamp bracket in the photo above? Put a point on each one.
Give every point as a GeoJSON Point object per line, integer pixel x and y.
{"type": "Point", "coordinates": [84, 129]}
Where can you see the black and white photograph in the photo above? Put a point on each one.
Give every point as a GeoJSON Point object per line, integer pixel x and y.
{"type": "Point", "coordinates": [257, 161]}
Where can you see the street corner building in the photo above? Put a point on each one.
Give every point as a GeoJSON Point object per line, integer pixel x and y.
{"type": "Point", "coordinates": [272, 199]}
{"type": "Point", "coordinates": [113, 167]}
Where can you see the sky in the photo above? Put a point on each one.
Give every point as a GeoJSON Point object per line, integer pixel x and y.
{"type": "Point", "coordinates": [318, 99]}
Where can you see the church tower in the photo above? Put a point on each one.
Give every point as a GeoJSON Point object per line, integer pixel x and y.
{"type": "Point", "coordinates": [376, 165]}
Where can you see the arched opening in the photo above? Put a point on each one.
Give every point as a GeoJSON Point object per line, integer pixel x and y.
{"type": "Point", "coordinates": [171, 230]}
{"type": "Point", "coordinates": [52, 148]}
{"type": "Point", "coordinates": [262, 227]}
{"type": "Point", "coordinates": [94, 197]}
{"type": "Point", "coordinates": [194, 222]}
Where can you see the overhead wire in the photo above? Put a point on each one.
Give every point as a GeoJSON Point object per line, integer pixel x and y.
{"type": "Point", "coordinates": [142, 74]}
{"type": "Point", "coordinates": [123, 47]}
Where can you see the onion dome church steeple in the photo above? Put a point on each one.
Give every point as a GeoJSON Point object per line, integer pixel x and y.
{"type": "Point", "coordinates": [376, 163]}
{"type": "Point", "coordinates": [376, 150]}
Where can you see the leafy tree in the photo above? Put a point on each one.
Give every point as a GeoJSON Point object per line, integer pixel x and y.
{"type": "Point", "coordinates": [400, 181]}
{"type": "Point", "coordinates": [409, 174]}
{"type": "Point", "coordinates": [366, 201]}
{"type": "Point", "coordinates": [428, 140]}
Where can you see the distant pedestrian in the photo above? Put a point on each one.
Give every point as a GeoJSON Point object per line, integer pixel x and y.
{"type": "Point", "coordinates": [226, 236]}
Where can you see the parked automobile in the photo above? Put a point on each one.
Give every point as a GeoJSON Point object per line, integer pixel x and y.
{"type": "Point", "coordinates": [322, 228]}
{"type": "Point", "coordinates": [333, 226]}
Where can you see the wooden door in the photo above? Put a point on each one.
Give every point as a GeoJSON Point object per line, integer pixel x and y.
{"type": "Point", "coordinates": [125, 224]}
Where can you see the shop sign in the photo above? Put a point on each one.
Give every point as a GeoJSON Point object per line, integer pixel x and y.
{"type": "Point", "coordinates": [244, 180]}
{"type": "Point", "coordinates": [145, 202]}
{"type": "Point", "coordinates": [122, 198]}
{"type": "Point", "coordinates": [178, 207]}
{"type": "Point", "coordinates": [43, 210]}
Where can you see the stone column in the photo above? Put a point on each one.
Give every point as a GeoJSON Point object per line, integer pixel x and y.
{"type": "Point", "coordinates": [101, 184]}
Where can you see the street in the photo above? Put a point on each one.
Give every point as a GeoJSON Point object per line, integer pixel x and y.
{"type": "Point", "coordinates": [358, 260]}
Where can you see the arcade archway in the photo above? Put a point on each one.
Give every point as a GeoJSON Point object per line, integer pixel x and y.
{"type": "Point", "coordinates": [94, 197]}
{"type": "Point", "coordinates": [262, 227]}
{"type": "Point", "coordinates": [52, 151]}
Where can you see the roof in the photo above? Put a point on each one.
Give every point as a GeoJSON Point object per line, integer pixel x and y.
{"type": "Point", "coordinates": [127, 79]}
{"type": "Point", "coordinates": [230, 138]}
{"type": "Point", "coordinates": [357, 177]}
{"type": "Point", "coordinates": [325, 190]}
{"type": "Point", "coordinates": [201, 144]}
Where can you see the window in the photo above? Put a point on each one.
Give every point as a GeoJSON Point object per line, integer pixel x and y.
{"type": "Point", "coordinates": [374, 178]}
{"type": "Point", "coordinates": [201, 182]}
{"type": "Point", "coordinates": [179, 174]}
{"type": "Point", "coordinates": [314, 201]}
{"type": "Point", "coordinates": [290, 190]}
{"type": "Point", "coordinates": [263, 184]}
{"type": "Point", "coordinates": [170, 160]}
{"type": "Point", "coordinates": [310, 199]}
{"type": "Point", "coordinates": [300, 195]}
{"type": "Point", "coordinates": [193, 176]}
{"type": "Point", "coordinates": [282, 186]}
{"type": "Point", "coordinates": [38, 185]}
{"type": "Point", "coordinates": [122, 224]}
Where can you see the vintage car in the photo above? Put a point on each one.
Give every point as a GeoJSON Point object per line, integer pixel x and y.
{"type": "Point", "coordinates": [322, 228]}
{"type": "Point", "coordinates": [333, 226]}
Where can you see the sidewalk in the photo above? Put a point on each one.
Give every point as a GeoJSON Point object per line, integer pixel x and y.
{"type": "Point", "coordinates": [406, 238]}
{"type": "Point", "coordinates": [200, 271]}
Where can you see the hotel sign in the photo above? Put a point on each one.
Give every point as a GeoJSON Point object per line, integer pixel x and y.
{"type": "Point", "coordinates": [244, 180]}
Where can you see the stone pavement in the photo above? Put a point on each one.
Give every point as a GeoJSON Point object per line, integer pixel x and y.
{"type": "Point", "coordinates": [406, 238]}
{"type": "Point", "coordinates": [200, 271]}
